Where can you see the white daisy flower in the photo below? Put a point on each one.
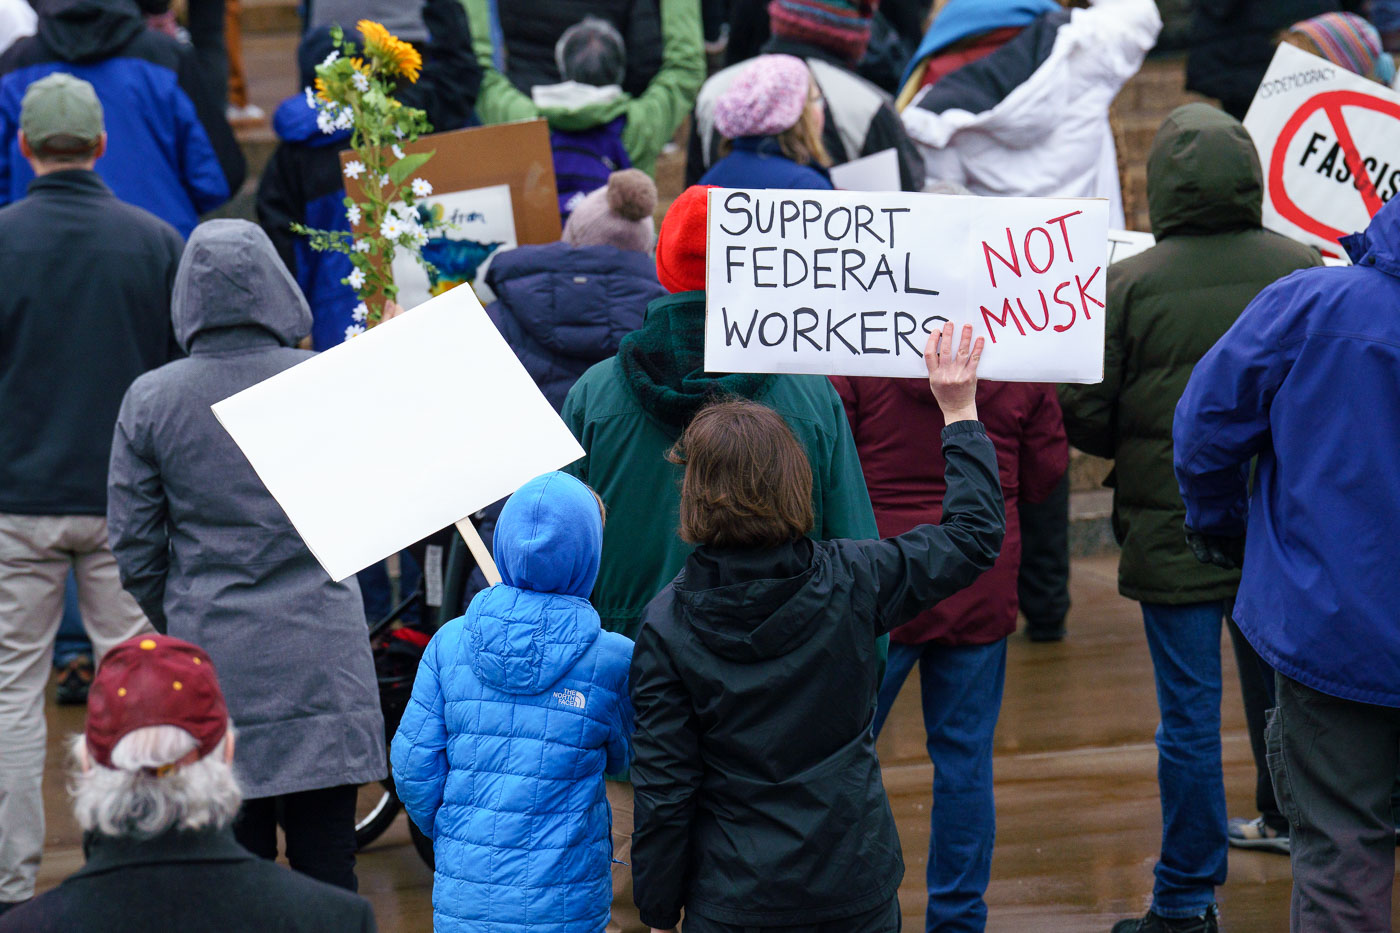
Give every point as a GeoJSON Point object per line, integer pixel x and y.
{"type": "Point", "coordinates": [330, 58]}
{"type": "Point", "coordinates": [422, 187]}
{"type": "Point", "coordinates": [324, 123]}
{"type": "Point", "coordinates": [398, 133]}
{"type": "Point", "coordinates": [311, 98]}
{"type": "Point", "coordinates": [345, 119]}
{"type": "Point", "coordinates": [354, 330]}
{"type": "Point", "coordinates": [392, 228]}
{"type": "Point", "coordinates": [420, 238]}
{"type": "Point", "coordinates": [360, 313]}
{"type": "Point", "coordinates": [360, 81]}
{"type": "Point", "coordinates": [354, 168]}
{"type": "Point", "coordinates": [363, 246]}
{"type": "Point", "coordinates": [397, 150]}
{"type": "Point", "coordinates": [384, 180]}
{"type": "Point", "coordinates": [352, 214]}
{"type": "Point", "coordinates": [356, 279]}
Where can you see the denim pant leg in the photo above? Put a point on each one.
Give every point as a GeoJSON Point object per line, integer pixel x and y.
{"type": "Point", "coordinates": [901, 661]}
{"type": "Point", "coordinates": [72, 639]}
{"type": "Point", "coordinates": [1185, 646]}
{"type": "Point", "coordinates": [962, 689]}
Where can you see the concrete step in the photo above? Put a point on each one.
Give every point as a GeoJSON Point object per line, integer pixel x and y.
{"type": "Point", "coordinates": [1090, 525]}
{"type": "Point", "coordinates": [270, 16]}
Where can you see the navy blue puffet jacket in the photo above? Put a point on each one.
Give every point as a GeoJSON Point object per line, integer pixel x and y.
{"type": "Point", "coordinates": [519, 709]}
{"type": "Point", "coordinates": [1308, 380]}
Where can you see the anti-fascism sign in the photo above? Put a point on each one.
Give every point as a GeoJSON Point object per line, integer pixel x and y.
{"type": "Point", "coordinates": [851, 283]}
{"type": "Point", "coordinates": [1329, 144]}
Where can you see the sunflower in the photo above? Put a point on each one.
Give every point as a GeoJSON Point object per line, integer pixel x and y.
{"type": "Point", "coordinates": [396, 56]}
{"type": "Point", "coordinates": [322, 91]}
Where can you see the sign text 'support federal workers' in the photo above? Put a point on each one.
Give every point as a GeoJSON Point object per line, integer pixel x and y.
{"type": "Point", "coordinates": [851, 283]}
{"type": "Point", "coordinates": [1329, 144]}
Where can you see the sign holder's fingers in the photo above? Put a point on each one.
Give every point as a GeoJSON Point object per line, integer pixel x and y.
{"type": "Point", "coordinates": [479, 551]}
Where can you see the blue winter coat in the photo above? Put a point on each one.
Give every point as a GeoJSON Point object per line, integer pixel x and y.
{"type": "Point", "coordinates": [519, 709]}
{"type": "Point", "coordinates": [563, 308]}
{"type": "Point", "coordinates": [169, 147]}
{"type": "Point", "coordinates": [758, 162]}
{"type": "Point", "coordinates": [1308, 380]}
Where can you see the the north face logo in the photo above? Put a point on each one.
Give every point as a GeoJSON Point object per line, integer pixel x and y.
{"type": "Point", "coordinates": [571, 698]}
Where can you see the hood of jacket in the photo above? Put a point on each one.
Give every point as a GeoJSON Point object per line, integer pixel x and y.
{"type": "Point", "coordinates": [750, 605]}
{"type": "Point", "coordinates": [1379, 244]}
{"type": "Point", "coordinates": [295, 122]}
{"type": "Point", "coordinates": [88, 30]}
{"type": "Point", "coordinates": [230, 276]}
{"type": "Point", "coordinates": [1203, 174]}
{"type": "Point", "coordinates": [529, 631]}
{"type": "Point", "coordinates": [577, 301]}
{"type": "Point", "coordinates": [663, 363]}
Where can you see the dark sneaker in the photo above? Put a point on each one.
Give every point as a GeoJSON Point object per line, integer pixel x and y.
{"type": "Point", "coordinates": [1256, 834]}
{"type": "Point", "coordinates": [1207, 923]}
{"type": "Point", "coordinates": [1041, 632]}
{"type": "Point", "coordinates": [73, 682]}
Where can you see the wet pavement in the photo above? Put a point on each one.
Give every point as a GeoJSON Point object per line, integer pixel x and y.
{"type": "Point", "coordinates": [1077, 814]}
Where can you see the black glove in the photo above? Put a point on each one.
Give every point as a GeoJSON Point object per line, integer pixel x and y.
{"type": "Point", "coordinates": [1220, 550]}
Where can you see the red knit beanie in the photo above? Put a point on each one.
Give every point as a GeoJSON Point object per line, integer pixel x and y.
{"type": "Point", "coordinates": [842, 27]}
{"type": "Point", "coordinates": [680, 245]}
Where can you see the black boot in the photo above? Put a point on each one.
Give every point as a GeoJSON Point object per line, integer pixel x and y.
{"type": "Point", "coordinates": [1207, 923]}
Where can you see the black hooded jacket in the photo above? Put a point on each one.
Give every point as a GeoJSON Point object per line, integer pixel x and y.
{"type": "Point", "coordinates": [758, 791]}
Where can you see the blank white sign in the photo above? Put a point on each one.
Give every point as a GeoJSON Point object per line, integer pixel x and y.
{"type": "Point", "coordinates": [397, 433]}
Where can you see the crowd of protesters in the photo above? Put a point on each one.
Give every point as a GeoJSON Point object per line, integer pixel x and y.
{"type": "Point", "coordinates": [667, 709]}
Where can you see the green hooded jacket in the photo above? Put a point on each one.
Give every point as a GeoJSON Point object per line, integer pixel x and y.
{"type": "Point", "coordinates": [652, 117]}
{"type": "Point", "coordinates": [1166, 307]}
{"type": "Point", "coordinates": [628, 411]}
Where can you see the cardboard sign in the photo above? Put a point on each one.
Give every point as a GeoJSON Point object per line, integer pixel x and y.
{"type": "Point", "coordinates": [441, 374]}
{"type": "Point", "coordinates": [1125, 243]}
{"type": "Point", "coordinates": [1329, 144]}
{"type": "Point", "coordinates": [876, 172]}
{"type": "Point", "coordinates": [848, 283]}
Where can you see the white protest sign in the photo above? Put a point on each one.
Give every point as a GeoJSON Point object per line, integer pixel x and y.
{"type": "Point", "coordinates": [1329, 144]}
{"type": "Point", "coordinates": [850, 283]}
{"type": "Point", "coordinates": [441, 374]}
{"type": "Point", "coordinates": [876, 172]}
{"type": "Point", "coordinates": [1125, 243]}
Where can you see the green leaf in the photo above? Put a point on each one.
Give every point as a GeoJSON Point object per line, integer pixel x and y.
{"type": "Point", "coordinates": [406, 166]}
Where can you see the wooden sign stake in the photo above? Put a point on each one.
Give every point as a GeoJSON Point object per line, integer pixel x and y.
{"type": "Point", "coordinates": [479, 551]}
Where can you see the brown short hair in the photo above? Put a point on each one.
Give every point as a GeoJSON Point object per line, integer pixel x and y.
{"type": "Point", "coordinates": [748, 483]}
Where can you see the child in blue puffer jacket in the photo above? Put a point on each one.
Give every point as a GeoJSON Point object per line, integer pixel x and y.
{"type": "Point", "coordinates": [519, 709]}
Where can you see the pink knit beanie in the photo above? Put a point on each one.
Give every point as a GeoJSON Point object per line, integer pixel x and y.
{"type": "Point", "coordinates": [766, 98]}
{"type": "Point", "coordinates": [617, 214]}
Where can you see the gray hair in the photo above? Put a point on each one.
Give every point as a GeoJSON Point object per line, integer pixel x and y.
{"type": "Point", "coordinates": [591, 51]}
{"type": "Point", "coordinates": [129, 800]}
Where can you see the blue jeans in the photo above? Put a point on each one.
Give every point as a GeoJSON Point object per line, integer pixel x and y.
{"type": "Point", "coordinates": [1185, 646]}
{"type": "Point", "coordinates": [72, 638]}
{"type": "Point", "coordinates": [961, 689]}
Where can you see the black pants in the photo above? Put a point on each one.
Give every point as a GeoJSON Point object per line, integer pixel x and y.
{"type": "Point", "coordinates": [1043, 586]}
{"type": "Point", "coordinates": [320, 829]}
{"type": "Point", "coordinates": [1334, 763]}
{"type": "Point", "coordinates": [1257, 690]}
{"type": "Point", "coordinates": [884, 919]}
{"type": "Point", "coordinates": [206, 26]}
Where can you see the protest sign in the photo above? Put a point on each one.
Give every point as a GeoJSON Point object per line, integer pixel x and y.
{"type": "Point", "coordinates": [850, 283]}
{"type": "Point", "coordinates": [876, 172]}
{"type": "Point", "coordinates": [1125, 243]}
{"type": "Point", "coordinates": [495, 187]}
{"type": "Point", "coordinates": [1329, 144]}
{"type": "Point", "coordinates": [441, 374]}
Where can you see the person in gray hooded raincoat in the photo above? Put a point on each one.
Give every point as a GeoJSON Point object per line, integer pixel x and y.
{"type": "Point", "coordinates": [212, 558]}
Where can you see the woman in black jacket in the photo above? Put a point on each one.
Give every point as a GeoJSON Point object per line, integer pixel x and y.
{"type": "Point", "coordinates": [758, 794]}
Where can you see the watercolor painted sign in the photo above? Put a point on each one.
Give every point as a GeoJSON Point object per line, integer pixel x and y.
{"type": "Point", "coordinates": [1329, 144]}
{"type": "Point", "coordinates": [852, 283]}
{"type": "Point", "coordinates": [477, 223]}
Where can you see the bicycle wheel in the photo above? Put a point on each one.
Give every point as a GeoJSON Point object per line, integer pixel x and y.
{"type": "Point", "coordinates": [423, 844]}
{"type": "Point", "coordinates": [375, 811]}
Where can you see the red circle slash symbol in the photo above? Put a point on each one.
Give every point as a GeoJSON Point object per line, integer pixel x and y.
{"type": "Point", "coordinates": [1330, 103]}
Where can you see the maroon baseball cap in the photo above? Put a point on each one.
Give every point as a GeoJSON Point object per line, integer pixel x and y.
{"type": "Point", "coordinates": [154, 680]}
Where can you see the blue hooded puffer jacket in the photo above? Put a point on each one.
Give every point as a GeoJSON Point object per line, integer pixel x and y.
{"type": "Point", "coordinates": [519, 709]}
{"type": "Point", "coordinates": [563, 308]}
{"type": "Point", "coordinates": [1308, 379]}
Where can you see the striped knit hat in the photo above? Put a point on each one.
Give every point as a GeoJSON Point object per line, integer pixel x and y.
{"type": "Point", "coordinates": [1347, 40]}
{"type": "Point", "coordinates": [842, 27]}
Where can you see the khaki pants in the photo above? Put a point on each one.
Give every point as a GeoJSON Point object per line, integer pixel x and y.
{"type": "Point", "coordinates": [625, 918]}
{"type": "Point", "coordinates": [36, 553]}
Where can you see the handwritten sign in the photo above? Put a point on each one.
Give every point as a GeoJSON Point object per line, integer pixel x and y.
{"type": "Point", "coordinates": [876, 172]}
{"type": "Point", "coordinates": [1329, 144]}
{"type": "Point", "coordinates": [480, 425]}
{"type": "Point", "coordinates": [850, 283]}
{"type": "Point", "coordinates": [1125, 243]}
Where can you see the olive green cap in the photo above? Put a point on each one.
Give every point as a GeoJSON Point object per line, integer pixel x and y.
{"type": "Point", "coordinates": [60, 114]}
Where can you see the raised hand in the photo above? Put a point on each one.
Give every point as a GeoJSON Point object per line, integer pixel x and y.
{"type": "Point", "coordinates": [952, 373]}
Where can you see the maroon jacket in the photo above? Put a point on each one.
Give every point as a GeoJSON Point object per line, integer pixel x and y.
{"type": "Point", "coordinates": [896, 424]}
